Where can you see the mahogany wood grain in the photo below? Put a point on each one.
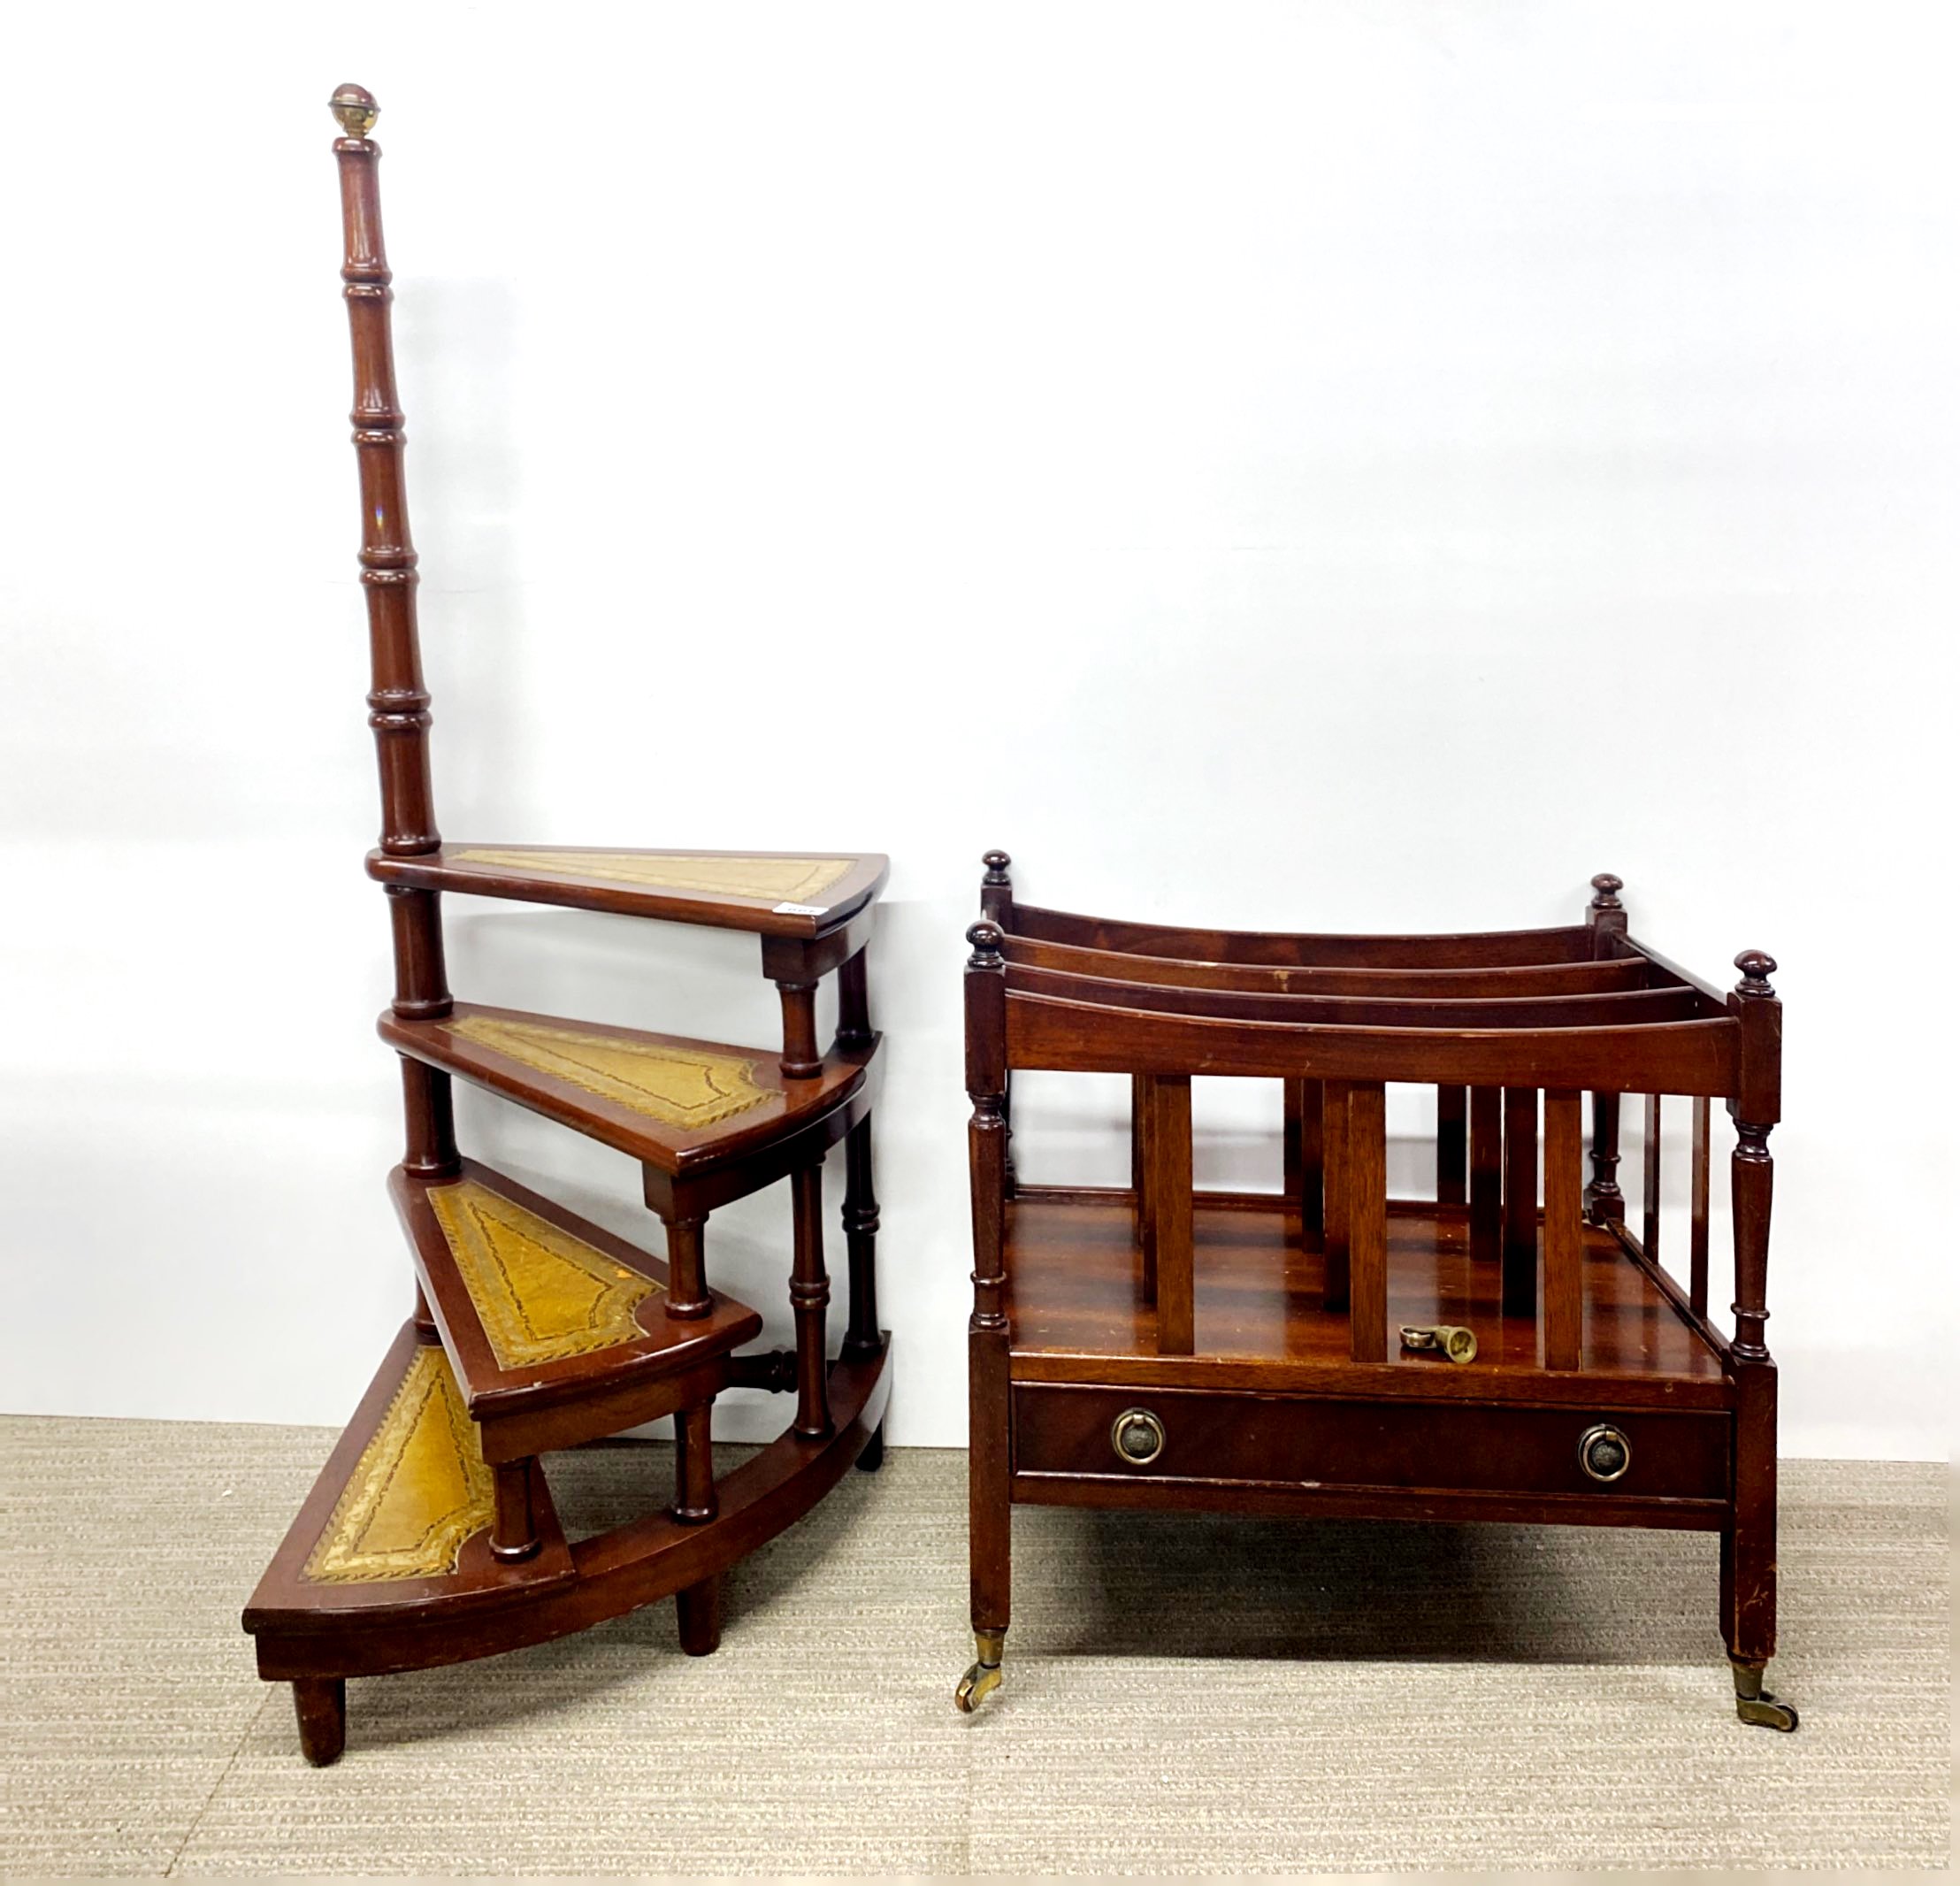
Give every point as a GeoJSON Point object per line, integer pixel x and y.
{"type": "Point", "coordinates": [1697, 1210]}
{"type": "Point", "coordinates": [1312, 1181]}
{"type": "Point", "coordinates": [1674, 1057]}
{"type": "Point", "coordinates": [1491, 949]}
{"type": "Point", "coordinates": [1169, 1181]}
{"type": "Point", "coordinates": [1650, 1178]}
{"type": "Point", "coordinates": [1338, 1188]}
{"type": "Point", "coordinates": [1486, 1172]}
{"type": "Point", "coordinates": [1565, 1288]}
{"type": "Point", "coordinates": [1453, 1145]}
{"type": "Point", "coordinates": [1368, 1190]}
{"type": "Point", "coordinates": [1563, 978]}
{"type": "Point", "coordinates": [1520, 1244]}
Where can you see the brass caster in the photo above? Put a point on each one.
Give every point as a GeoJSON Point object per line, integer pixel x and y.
{"type": "Point", "coordinates": [1755, 1704]}
{"type": "Point", "coordinates": [984, 1678]}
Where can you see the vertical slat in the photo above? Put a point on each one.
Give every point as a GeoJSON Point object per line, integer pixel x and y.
{"type": "Point", "coordinates": [1334, 1187]}
{"type": "Point", "coordinates": [1453, 1145]}
{"type": "Point", "coordinates": [1520, 1201]}
{"type": "Point", "coordinates": [1697, 1226]}
{"type": "Point", "coordinates": [1169, 1180]}
{"type": "Point", "coordinates": [1144, 1093]}
{"type": "Point", "coordinates": [1367, 1191]}
{"type": "Point", "coordinates": [1649, 1182]}
{"type": "Point", "coordinates": [1289, 1143]}
{"type": "Point", "coordinates": [1604, 1203]}
{"type": "Point", "coordinates": [1486, 1170]}
{"type": "Point", "coordinates": [1137, 1103]}
{"type": "Point", "coordinates": [1565, 1230]}
{"type": "Point", "coordinates": [1312, 1165]}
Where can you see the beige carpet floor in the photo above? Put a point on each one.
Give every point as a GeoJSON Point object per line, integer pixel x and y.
{"type": "Point", "coordinates": [1184, 1694]}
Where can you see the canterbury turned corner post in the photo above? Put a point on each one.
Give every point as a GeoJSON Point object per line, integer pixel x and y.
{"type": "Point", "coordinates": [1748, 1545]}
{"type": "Point", "coordinates": [398, 701]}
{"type": "Point", "coordinates": [987, 1359]}
{"type": "Point", "coordinates": [1604, 1203]}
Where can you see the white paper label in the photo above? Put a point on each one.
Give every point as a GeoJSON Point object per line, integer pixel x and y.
{"type": "Point", "coordinates": [800, 910]}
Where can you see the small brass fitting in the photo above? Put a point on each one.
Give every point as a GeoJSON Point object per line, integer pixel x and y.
{"type": "Point", "coordinates": [1450, 1339]}
{"type": "Point", "coordinates": [984, 1678]}
{"type": "Point", "coordinates": [355, 107]}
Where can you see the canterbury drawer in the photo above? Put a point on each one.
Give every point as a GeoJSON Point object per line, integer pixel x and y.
{"type": "Point", "coordinates": [1187, 1436]}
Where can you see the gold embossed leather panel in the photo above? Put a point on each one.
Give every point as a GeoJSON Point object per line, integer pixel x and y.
{"type": "Point", "coordinates": [420, 1489]}
{"type": "Point", "coordinates": [540, 1293]}
{"type": "Point", "coordinates": [686, 1087]}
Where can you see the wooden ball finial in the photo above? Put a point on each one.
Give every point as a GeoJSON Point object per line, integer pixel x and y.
{"type": "Point", "coordinates": [997, 863]}
{"type": "Point", "coordinates": [353, 105]}
{"type": "Point", "coordinates": [985, 939]}
{"type": "Point", "coordinates": [1756, 967]}
{"type": "Point", "coordinates": [1606, 890]}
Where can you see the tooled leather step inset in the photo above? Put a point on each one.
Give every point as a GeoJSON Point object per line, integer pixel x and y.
{"type": "Point", "coordinates": [765, 880]}
{"type": "Point", "coordinates": [540, 1293]}
{"type": "Point", "coordinates": [420, 1489]}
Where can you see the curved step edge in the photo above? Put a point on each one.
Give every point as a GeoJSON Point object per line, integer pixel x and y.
{"type": "Point", "coordinates": [634, 1565]}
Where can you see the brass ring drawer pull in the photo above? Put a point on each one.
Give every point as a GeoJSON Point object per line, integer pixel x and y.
{"type": "Point", "coordinates": [1604, 1452]}
{"type": "Point", "coordinates": [1138, 1436]}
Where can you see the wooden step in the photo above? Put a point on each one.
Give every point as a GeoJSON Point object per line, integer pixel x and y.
{"type": "Point", "coordinates": [397, 1526]}
{"type": "Point", "coordinates": [556, 1330]}
{"type": "Point", "coordinates": [681, 1105]}
{"type": "Point", "coordinates": [781, 893]}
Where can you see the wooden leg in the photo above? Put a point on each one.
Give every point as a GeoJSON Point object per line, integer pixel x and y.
{"type": "Point", "coordinates": [989, 1511]}
{"type": "Point", "coordinates": [687, 1294]}
{"type": "Point", "coordinates": [873, 1456]}
{"type": "Point", "coordinates": [809, 1300]}
{"type": "Point", "coordinates": [320, 1704]}
{"type": "Point", "coordinates": [514, 1532]}
{"type": "Point", "coordinates": [1748, 1550]}
{"type": "Point", "coordinates": [861, 1335]}
{"type": "Point", "coordinates": [698, 1610]}
{"type": "Point", "coordinates": [698, 1606]}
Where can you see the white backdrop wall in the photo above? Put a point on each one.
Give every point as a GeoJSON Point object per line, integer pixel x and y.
{"type": "Point", "coordinates": [1362, 465]}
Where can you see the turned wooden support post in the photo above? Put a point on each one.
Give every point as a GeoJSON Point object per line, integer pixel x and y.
{"type": "Point", "coordinates": [697, 1607]}
{"type": "Point", "coordinates": [809, 1302]}
{"type": "Point", "coordinates": [803, 1059]}
{"type": "Point", "coordinates": [514, 1532]}
{"type": "Point", "coordinates": [1755, 1108]}
{"type": "Point", "coordinates": [399, 702]}
{"type": "Point", "coordinates": [431, 1122]}
{"type": "Point", "coordinates": [1697, 1212]}
{"type": "Point", "coordinates": [687, 1295]}
{"type": "Point", "coordinates": [988, 1507]}
{"type": "Point", "coordinates": [1650, 1178]}
{"type": "Point", "coordinates": [1606, 917]}
{"type": "Point", "coordinates": [862, 1334]}
{"type": "Point", "coordinates": [1748, 1546]}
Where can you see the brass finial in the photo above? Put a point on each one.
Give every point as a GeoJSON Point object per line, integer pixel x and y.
{"type": "Point", "coordinates": [353, 105]}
